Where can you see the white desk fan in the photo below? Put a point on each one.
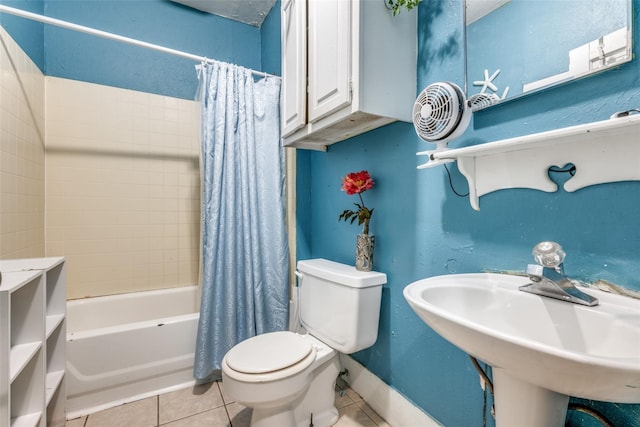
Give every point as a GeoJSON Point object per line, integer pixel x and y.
{"type": "Point", "coordinates": [440, 114]}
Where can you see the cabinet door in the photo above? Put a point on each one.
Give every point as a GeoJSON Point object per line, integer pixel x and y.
{"type": "Point", "coordinates": [329, 56]}
{"type": "Point", "coordinates": [294, 65]}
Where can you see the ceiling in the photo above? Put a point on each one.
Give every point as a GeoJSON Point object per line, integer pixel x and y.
{"type": "Point", "coordinates": [252, 12]}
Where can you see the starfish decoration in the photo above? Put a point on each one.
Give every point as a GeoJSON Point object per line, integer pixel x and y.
{"type": "Point", "coordinates": [486, 98]}
{"type": "Point", "coordinates": [487, 82]}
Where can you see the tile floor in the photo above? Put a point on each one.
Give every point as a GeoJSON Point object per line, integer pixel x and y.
{"type": "Point", "coordinates": [205, 405]}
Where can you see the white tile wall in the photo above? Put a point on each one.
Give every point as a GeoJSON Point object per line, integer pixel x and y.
{"type": "Point", "coordinates": [22, 158]}
{"type": "Point", "coordinates": [123, 187]}
{"type": "Point", "coordinates": [122, 179]}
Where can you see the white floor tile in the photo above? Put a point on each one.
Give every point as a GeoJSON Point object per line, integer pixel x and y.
{"type": "Point", "coordinates": [142, 413]}
{"type": "Point", "coordinates": [203, 406]}
{"type": "Point", "coordinates": [189, 401]}
{"type": "Point", "coordinates": [212, 418]}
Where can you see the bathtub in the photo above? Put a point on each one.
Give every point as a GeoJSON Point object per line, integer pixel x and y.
{"type": "Point", "coordinates": [127, 347]}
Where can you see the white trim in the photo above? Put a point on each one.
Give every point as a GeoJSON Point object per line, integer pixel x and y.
{"type": "Point", "coordinates": [396, 409]}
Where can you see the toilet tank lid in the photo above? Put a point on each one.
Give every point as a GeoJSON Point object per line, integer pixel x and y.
{"type": "Point", "coordinates": [341, 273]}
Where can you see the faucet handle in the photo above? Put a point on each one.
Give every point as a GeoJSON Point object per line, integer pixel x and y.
{"type": "Point", "coordinates": [548, 254]}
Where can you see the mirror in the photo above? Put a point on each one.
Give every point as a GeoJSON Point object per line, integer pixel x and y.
{"type": "Point", "coordinates": [516, 47]}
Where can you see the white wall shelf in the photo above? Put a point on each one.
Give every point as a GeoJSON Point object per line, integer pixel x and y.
{"type": "Point", "coordinates": [602, 152]}
{"type": "Point", "coordinates": [32, 342]}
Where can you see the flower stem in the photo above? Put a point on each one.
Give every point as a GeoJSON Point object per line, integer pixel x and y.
{"type": "Point", "coordinates": [365, 230]}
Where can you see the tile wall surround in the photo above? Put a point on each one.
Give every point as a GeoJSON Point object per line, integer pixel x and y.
{"type": "Point", "coordinates": [120, 170]}
{"type": "Point", "coordinates": [22, 153]}
{"type": "Point", "coordinates": [123, 187]}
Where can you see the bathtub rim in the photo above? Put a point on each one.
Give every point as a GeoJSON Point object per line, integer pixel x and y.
{"type": "Point", "coordinates": [152, 323]}
{"type": "Point", "coordinates": [127, 295]}
{"type": "Point", "coordinates": [82, 311]}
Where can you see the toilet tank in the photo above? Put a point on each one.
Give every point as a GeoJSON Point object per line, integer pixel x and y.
{"type": "Point", "coordinates": [338, 304]}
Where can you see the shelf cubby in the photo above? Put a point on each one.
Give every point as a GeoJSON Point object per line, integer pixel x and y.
{"type": "Point", "coordinates": [27, 398]}
{"type": "Point", "coordinates": [55, 361]}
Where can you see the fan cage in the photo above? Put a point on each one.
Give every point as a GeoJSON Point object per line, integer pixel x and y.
{"type": "Point", "coordinates": [437, 111]}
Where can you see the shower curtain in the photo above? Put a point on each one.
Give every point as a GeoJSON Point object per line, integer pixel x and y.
{"type": "Point", "coordinates": [245, 264]}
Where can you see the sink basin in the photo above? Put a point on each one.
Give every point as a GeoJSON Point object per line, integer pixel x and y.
{"type": "Point", "coordinates": [541, 350]}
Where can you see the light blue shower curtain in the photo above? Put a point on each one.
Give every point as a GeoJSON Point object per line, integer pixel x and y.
{"type": "Point", "coordinates": [245, 265]}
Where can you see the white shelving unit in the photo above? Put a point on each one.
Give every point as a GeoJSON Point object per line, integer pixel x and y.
{"type": "Point", "coordinates": [32, 342]}
{"type": "Point", "coordinates": [602, 152]}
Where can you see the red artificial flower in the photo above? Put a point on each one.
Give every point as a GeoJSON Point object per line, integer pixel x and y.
{"type": "Point", "coordinates": [358, 183]}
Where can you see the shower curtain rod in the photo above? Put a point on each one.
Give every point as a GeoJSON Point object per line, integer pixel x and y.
{"type": "Point", "coordinates": [81, 28]}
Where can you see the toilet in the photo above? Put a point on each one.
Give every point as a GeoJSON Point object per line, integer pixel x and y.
{"type": "Point", "coordinates": [287, 378]}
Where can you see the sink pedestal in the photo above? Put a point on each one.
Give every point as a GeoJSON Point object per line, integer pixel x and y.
{"type": "Point", "coordinates": [522, 404]}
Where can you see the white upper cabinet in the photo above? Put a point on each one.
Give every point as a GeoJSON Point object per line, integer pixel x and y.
{"type": "Point", "coordinates": [348, 66]}
{"type": "Point", "coordinates": [329, 68]}
{"type": "Point", "coordinates": [294, 70]}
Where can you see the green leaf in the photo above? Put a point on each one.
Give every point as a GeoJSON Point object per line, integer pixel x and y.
{"type": "Point", "coordinates": [346, 214]}
{"type": "Point", "coordinates": [396, 6]}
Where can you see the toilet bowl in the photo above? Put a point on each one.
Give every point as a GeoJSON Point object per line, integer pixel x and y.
{"type": "Point", "coordinates": [288, 379]}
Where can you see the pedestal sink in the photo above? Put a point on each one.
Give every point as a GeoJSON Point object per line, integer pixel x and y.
{"type": "Point", "coordinates": [541, 350]}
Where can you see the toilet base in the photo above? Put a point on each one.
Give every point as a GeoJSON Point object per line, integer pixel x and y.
{"type": "Point", "coordinates": [318, 401]}
{"type": "Point", "coordinates": [292, 400]}
{"type": "Point", "coordinates": [272, 417]}
{"type": "Point", "coordinates": [267, 418]}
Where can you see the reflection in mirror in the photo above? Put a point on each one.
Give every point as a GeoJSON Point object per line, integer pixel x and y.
{"type": "Point", "coordinates": [515, 47]}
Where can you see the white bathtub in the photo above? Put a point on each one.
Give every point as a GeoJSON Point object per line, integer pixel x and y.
{"type": "Point", "coordinates": [126, 347]}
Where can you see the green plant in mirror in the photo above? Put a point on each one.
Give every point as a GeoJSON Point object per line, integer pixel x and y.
{"type": "Point", "coordinates": [397, 5]}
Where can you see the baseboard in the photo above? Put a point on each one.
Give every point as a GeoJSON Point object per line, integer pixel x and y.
{"type": "Point", "coordinates": [396, 409]}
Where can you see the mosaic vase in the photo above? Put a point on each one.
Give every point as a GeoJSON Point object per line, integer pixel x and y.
{"type": "Point", "coordinates": [364, 252]}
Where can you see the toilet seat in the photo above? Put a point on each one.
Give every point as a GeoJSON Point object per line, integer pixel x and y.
{"type": "Point", "coordinates": [270, 356]}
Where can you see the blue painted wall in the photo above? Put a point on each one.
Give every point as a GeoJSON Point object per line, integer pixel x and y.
{"type": "Point", "coordinates": [423, 229]}
{"type": "Point", "coordinates": [28, 34]}
{"type": "Point", "coordinates": [270, 45]}
{"type": "Point", "coordinates": [69, 54]}
{"type": "Point", "coordinates": [84, 57]}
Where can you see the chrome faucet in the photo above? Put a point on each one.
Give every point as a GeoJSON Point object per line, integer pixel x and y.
{"type": "Point", "coordinates": [548, 279]}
